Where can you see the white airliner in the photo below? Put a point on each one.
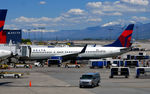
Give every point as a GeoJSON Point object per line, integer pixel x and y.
{"type": "Point", "coordinates": [5, 54]}
{"type": "Point", "coordinates": [120, 46]}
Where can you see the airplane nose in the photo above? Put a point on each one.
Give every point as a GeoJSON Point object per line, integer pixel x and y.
{"type": "Point", "coordinates": [9, 52]}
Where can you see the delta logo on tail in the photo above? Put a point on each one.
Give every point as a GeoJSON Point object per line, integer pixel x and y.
{"type": "Point", "coordinates": [124, 39]}
{"type": "Point", "coordinates": [3, 13]}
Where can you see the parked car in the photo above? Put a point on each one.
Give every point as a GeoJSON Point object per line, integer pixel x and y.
{"type": "Point", "coordinates": [10, 74]}
{"type": "Point", "coordinates": [19, 65]}
{"type": "Point", "coordinates": [72, 65]}
{"type": "Point", "coordinates": [90, 80]}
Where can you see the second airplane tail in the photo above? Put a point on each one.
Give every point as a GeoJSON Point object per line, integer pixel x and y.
{"type": "Point", "coordinates": [124, 39]}
{"type": "Point", "coordinates": [2, 18]}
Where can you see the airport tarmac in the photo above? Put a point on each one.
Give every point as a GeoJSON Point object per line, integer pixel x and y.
{"type": "Point", "coordinates": [56, 80]}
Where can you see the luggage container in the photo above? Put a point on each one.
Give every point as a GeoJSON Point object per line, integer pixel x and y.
{"type": "Point", "coordinates": [119, 71]}
{"type": "Point", "coordinates": [131, 63]}
{"type": "Point", "coordinates": [99, 63]}
{"type": "Point", "coordinates": [118, 63]}
{"type": "Point", "coordinates": [142, 71]}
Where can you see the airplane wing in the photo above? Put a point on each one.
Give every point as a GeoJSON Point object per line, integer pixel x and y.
{"type": "Point", "coordinates": [72, 55]}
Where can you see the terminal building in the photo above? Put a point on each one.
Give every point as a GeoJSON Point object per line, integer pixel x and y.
{"type": "Point", "coordinates": [10, 35]}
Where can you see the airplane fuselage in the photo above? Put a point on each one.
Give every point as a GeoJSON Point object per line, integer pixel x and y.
{"type": "Point", "coordinates": [91, 52]}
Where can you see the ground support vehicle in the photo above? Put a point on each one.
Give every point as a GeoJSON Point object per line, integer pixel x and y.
{"type": "Point", "coordinates": [119, 71]}
{"type": "Point", "coordinates": [142, 71]}
{"type": "Point", "coordinates": [99, 63]}
{"type": "Point", "coordinates": [89, 80]}
{"type": "Point", "coordinates": [67, 65]}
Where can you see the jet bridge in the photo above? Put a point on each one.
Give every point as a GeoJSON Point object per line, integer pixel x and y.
{"type": "Point", "coordinates": [25, 51]}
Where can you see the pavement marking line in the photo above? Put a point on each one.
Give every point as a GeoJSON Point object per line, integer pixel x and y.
{"type": "Point", "coordinates": [56, 86]}
{"type": "Point", "coordinates": [41, 84]}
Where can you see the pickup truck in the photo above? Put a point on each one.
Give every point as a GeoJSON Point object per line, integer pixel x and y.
{"type": "Point", "coordinates": [10, 75]}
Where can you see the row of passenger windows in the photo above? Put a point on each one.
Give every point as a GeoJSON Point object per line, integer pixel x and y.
{"type": "Point", "coordinates": [36, 51]}
{"type": "Point", "coordinates": [43, 51]}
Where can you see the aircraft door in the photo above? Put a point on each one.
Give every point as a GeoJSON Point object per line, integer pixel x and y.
{"type": "Point", "coordinates": [25, 51]}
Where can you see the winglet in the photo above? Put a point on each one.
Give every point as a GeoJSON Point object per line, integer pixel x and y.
{"type": "Point", "coordinates": [84, 49]}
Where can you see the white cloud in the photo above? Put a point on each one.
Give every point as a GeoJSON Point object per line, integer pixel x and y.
{"type": "Point", "coordinates": [70, 18]}
{"type": "Point", "coordinates": [94, 4]}
{"type": "Point", "coordinates": [39, 30]}
{"type": "Point", "coordinates": [11, 26]}
{"type": "Point", "coordinates": [99, 12]}
{"type": "Point", "coordinates": [53, 30]}
{"type": "Point", "coordinates": [76, 11]}
{"type": "Point", "coordinates": [117, 13]}
{"type": "Point", "coordinates": [116, 6]}
{"type": "Point", "coordinates": [117, 2]}
{"type": "Point", "coordinates": [137, 2]}
{"type": "Point", "coordinates": [111, 23]}
{"type": "Point", "coordinates": [26, 19]}
{"type": "Point", "coordinates": [140, 19]}
{"type": "Point", "coordinates": [44, 19]}
{"type": "Point", "coordinates": [123, 22]}
{"type": "Point", "coordinates": [42, 2]}
{"type": "Point", "coordinates": [39, 25]}
{"type": "Point", "coordinates": [92, 15]}
{"type": "Point", "coordinates": [94, 20]}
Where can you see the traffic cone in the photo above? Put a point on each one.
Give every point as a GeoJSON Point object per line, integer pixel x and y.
{"type": "Point", "coordinates": [75, 62]}
{"type": "Point", "coordinates": [30, 66]}
{"type": "Point", "coordinates": [30, 84]}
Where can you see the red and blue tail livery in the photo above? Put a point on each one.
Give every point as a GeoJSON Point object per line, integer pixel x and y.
{"type": "Point", "coordinates": [3, 13]}
{"type": "Point", "coordinates": [124, 39]}
{"type": "Point", "coordinates": [2, 18]}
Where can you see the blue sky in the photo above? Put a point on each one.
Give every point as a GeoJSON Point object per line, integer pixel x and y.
{"type": "Point", "coordinates": [56, 15]}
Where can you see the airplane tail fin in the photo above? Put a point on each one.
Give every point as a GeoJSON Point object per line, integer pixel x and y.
{"type": "Point", "coordinates": [124, 39]}
{"type": "Point", "coordinates": [3, 13]}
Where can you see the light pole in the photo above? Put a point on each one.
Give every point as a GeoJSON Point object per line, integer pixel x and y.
{"type": "Point", "coordinates": [110, 34]}
{"type": "Point", "coordinates": [41, 30]}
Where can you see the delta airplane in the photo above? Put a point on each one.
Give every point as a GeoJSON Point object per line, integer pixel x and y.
{"type": "Point", "coordinates": [120, 46]}
{"type": "Point", "coordinates": [3, 53]}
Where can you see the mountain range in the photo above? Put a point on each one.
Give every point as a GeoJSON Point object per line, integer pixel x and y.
{"type": "Point", "coordinates": [141, 31]}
